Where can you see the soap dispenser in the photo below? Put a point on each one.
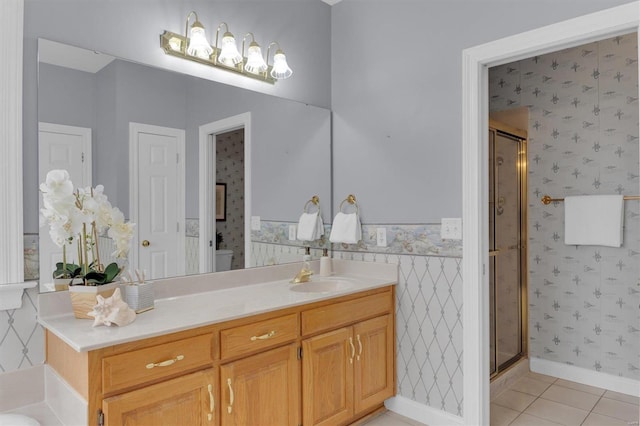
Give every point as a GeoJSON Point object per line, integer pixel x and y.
{"type": "Point", "coordinates": [325, 264]}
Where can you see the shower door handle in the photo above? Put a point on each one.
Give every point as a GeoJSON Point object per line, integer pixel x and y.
{"type": "Point", "coordinates": [493, 253]}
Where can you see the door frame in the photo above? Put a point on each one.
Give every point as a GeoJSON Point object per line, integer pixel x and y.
{"type": "Point", "coordinates": [475, 123]}
{"type": "Point", "coordinates": [135, 128]}
{"type": "Point", "coordinates": [207, 174]}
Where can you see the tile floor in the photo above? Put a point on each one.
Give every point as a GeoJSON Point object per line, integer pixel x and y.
{"type": "Point", "coordinates": [540, 400]}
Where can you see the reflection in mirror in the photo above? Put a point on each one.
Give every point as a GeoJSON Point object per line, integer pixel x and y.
{"type": "Point", "coordinates": [164, 145]}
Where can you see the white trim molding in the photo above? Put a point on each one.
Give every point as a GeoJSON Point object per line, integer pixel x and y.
{"type": "Point", "coordinates": [584, 376]}
{"type": "Point", "coordinates": [11, 223]}
{"type": "Point", "coordinates": [207, 156]}
{"type": "Point", "coordinates": [475, 103]}
{"type": "Point", "coordinates": [422, 413]}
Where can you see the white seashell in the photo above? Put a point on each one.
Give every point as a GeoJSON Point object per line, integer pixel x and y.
{"type": "Point", "coordinates": [112, 310]}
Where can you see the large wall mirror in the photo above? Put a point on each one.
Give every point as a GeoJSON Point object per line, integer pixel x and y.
{"type": "Point", "coordinates": [145, 134]}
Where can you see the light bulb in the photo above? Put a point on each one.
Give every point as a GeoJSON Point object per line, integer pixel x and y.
{"type": "Point", "coordinates": [280, 68]}
{"type": "Point", "coordinates": [255, 63]}
{"type": "Point", "coordinates": [229, 54]}
{"type": "Point", "coordinates": [198, 45]}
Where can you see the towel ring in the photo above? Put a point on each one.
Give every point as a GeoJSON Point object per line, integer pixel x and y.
{"type": "Point", "coordinates": [315, 200]}
{"type": "Point", "coordinates": [351, 199]}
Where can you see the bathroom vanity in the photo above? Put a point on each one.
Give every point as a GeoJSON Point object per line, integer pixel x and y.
{"type": "Point", "coordinates": [261, 353]}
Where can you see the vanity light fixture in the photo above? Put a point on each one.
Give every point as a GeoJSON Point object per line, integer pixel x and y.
{"type": "Point", "coordinates": [280, 67]}
{"type": "Point", "coordinates": [193, 45]}
{"type": "Point", "coordinates": [255, 62]}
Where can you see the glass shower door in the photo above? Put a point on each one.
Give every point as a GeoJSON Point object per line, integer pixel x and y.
{"type": "Point", "coordinates": [506, 224]}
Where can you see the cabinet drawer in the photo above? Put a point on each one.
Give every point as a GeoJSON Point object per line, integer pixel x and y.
{"type": "Point", "coordinates": [145, 365]}
{"type": "Point", "coordinates": [259, 335]}
{"type": "Point", "coordinates": [340, 314]}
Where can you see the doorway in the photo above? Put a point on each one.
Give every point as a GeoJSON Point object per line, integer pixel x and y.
{"type": "Point", "coordinates": [476, 62]}
{"type": "Point", "coordinates": [507, 247]}
{"type": "Point", "coordinates": [207, 235]}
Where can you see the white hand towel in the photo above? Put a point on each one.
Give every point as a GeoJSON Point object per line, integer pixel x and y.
{"type": "Point", "coordinates": [310, 227]}
{"type": "Point", "coordinates": [346, 228]}
{"type": "Point", "coordinates": [594, 220]}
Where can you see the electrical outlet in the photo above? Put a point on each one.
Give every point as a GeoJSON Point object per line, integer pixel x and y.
{"type": "Point", "coordinates": [451, 228]}
{"type": "Point", "coordinates": [381, 237]}
{"type": "Point", "coordinates": [255, 223]}
{"type": "Point", "coordinates": [292, 232]}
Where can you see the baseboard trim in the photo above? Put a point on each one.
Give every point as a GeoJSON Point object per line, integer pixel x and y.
{"type": "Point", "coordinates": [422, 413]}
{"type": "Point", "coordinates": [586, 377]}
{"type": "Point", "coordinates": [65, 402]}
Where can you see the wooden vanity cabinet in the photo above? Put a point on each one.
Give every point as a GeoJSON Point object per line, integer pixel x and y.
{"type": "Point", "coordinates": [186, 400]}
{"type": "Point", "coordinates": [349, 371]}
{"type": "Point", "coordinates": [262, 389]}
{"type": "Point", "coordinates": [325, 363]}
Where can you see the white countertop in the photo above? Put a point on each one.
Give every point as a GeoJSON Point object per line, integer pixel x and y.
{"type": "Point", "coordinates": [199, 307]}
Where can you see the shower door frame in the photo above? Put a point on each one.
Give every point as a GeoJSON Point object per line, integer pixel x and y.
{"type": "Point", "coordinates": [475, 105]}
{"type": "Point", "coordinates": [519, 137]}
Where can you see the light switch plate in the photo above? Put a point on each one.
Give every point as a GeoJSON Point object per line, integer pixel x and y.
{"type": "Point", "coordinates": [451, 228]}
{"type": "Point", "coordinates": [255, 223]}
{"type": "Point", "coordinates": [292, 232]}
{"type": "Point", "coordinates": [381, 237]}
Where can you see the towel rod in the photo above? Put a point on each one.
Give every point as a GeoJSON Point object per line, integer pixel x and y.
{"type": "Point", "coordinates": [315, 200]}
{"type": "Point", "coordinates": [548, 200]}
{"type": "Point", "coordinates": [351, 199]}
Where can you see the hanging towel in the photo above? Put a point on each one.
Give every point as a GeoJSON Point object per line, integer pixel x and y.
{"type": "Point", "coordinates": [594, 220]}
{"type": "Point", "coordinates": [346, 228]}
{"type": "Point", "coordinates": [310, 227]}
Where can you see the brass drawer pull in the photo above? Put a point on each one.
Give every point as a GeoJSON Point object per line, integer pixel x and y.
{"type": "Point", "coordinates": [212, 404]}
{"type": "Point", "coordinates": [165, 363]}
{"type": "Point", "coordinates": [353, 350]}
{"type": "Point", "coordinates": [231, 398]}
{"type": "Point", "coordinates": [269, 335]}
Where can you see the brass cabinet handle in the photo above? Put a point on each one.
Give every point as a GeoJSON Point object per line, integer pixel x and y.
{"type": "Point", "coordinates": [359, 347]}
{"type": "Point", "coordinates": [146, 243]}
{"type": "Point", "coordinates": [353, 350]}
{"type": "Point", "coordinates": [212, 404]}
{"type": "Point", "coordinates": [165, 363]}
{"type": "Point", "coordinates": [269, 335]}
{"type": "Point", "coordinates": [230, 407]}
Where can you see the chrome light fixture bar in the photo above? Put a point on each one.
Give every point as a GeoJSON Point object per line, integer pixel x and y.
{"type": "Point", "coordinates": [193, 45]}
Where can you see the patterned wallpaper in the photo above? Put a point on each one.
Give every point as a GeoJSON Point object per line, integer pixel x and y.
{"type": "Point", "coordinates": [230, 170]}
{"type": "Point", "coordinates": [583, 139]}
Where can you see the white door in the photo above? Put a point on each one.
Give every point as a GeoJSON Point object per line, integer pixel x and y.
{"type": "Point", "coordinates": [157, 199]}
{"type": "Point", "coordinates": [68, 148]}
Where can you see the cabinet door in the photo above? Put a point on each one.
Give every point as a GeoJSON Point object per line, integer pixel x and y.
{"type": "Point", "coordinates": [186, 400]}
{"type": "Point", "coordinates": [374, 372]}
{"type": "Point", "coordinates": [262, 389]}
{"type": "Point", "coordinates": [327, 374]}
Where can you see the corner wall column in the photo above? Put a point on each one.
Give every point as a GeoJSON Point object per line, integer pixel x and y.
{"type": "Point", "coordinates": [11, 226]}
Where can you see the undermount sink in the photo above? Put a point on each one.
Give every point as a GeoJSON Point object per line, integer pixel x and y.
{"type": "Point", "coordinates": [322, 286]}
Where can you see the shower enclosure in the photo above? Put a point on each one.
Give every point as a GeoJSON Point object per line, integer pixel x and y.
{"type": "Point", "coordinates": [507, 248]}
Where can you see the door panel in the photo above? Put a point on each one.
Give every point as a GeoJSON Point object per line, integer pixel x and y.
{"type": "Point", "coordinates": [158, 199]}
{"type": "Point", "coordinates": [67, 148]}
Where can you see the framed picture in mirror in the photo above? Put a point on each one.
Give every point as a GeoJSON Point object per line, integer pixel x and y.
{"type": "Point", "coordinates": [221, 202]}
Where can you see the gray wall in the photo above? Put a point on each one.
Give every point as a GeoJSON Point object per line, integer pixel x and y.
{"type": "Point", "coordinates": [290, 158]}
{"type": "Point", "coordinates": [396, 96]}
{"type": "Point", "coordinates": [131, 30]}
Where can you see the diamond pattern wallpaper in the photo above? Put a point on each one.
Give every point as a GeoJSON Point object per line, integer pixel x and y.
{"type": "Point", "coordinates": [583, 140]}
{"type": "Point", "coordinates": [21, 337]}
